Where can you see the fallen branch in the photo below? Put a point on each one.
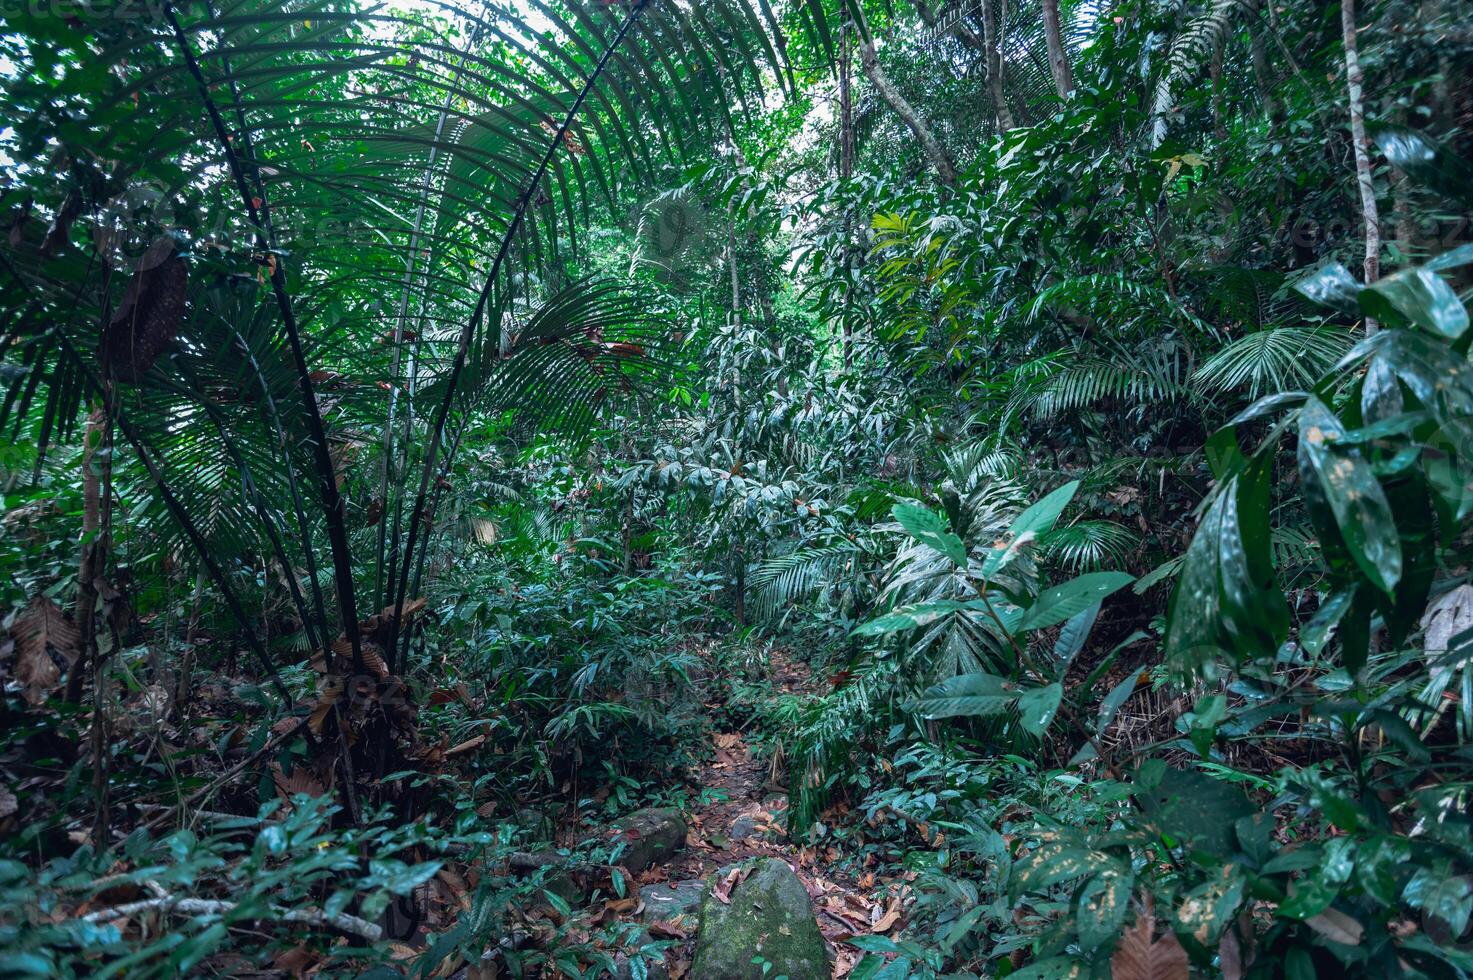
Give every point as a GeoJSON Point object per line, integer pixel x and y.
{"type": "Point", "coordinates": [233, 771]}
{"type": "Point", "coordinates": [203, 906]}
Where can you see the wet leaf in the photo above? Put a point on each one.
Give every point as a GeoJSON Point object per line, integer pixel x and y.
{"type": "Point", "coordinates": [1342, 481]}
{"type": "Point", "coordinates": [927, 527]}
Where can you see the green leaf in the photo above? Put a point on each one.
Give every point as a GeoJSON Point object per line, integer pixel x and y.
{"type": "Point", "coordinates": [1102, 904]}
{"type": "Point", "coordinates": [913, 616]}
{"type": "Point", "coordinates": [1206, 910]}
{"type": "Point", "coordinates": [1073, 636]}
{"type": "Point", "coordinates": [1040, 516]}
{"type": "Point", "coordinates": [966, 695]}
{"type": "Point", "coordinates": [1037, 706]}
{"type": "Point", "coordinates": [927, 527]}
{"type": "Point", "coordinates": [1419, 296]}
{"type": "Point", "coordinates": [1118, 695]}
{"type": "Point", "coordinates": [1425, 160]}
{"type": "Point", "coordinates": [1332, 285]}
{"type": "Point", "coordinates": [1060, 602]}
{"type": "Point", "coordinates": [1194, 808]}
{"type": "Point", "coordinates": [1341, 485]}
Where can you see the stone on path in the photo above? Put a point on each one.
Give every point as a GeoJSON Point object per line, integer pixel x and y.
{"type": "Point", "coordinates": [651, 835]}
{"type": "Point", "coordinates": [668, 899]}
{"type": "Point", "coordinates": [769, 916]}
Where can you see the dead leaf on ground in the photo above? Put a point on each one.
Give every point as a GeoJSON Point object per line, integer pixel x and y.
{"type": "Point", "coordinates": [723, 888]}
{"type": "Point", "coordinates": [46, 645]}
{"type": "Point", "coordinates": [1138, 958]}
{"type": "Point", "coordinates": [668, 929]}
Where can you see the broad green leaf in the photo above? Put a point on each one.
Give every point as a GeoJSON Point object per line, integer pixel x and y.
{"type": "Point", "coordinates": [1421, 297]}
{"type": "Point", "coordinates": [1332, 285]}
{"type": "Point", "coordinates": [1037, 706]}
{"type": "Point", "coordinates": [1060, 602]}
{"type": "Point", "coordinates": [1040, 516]}
{"type": "Point", "coordinates": [1255, 614]}
{"type": "Point", "coordinates": [1206, 910]}
{"type": "Point", "coordinates": [966, 695]}
{"type": "Point", "coordinates": [1194, 808]}
{"type": "Point", "coordinates": [910, 617]}
{"type": "Point", "coordinates": [1103, 902]}
{"type": "Point", "coordinates": [1341, 485]}
{"type": "Point", "coordinates": [927, 527]}
{"type": "Point", "coordinates": [1118, 695]}
{"type": "Point", "coordinates": [1425, 160]}
{"type": "Point", "coordinates": [1072, 637]}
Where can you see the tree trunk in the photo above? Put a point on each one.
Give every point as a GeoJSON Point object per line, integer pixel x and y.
{"type": "Point", "coordinates": [1058, 58]}
{"type": "Point", "coordinates": [945, 172]}
{"type": "Point", "coordinates": [1262, 77]}
{"type": "Point", "coordinates": [1354, 82]}
{"type": "Point", "coordinates": [846, 170]}
{"type": "Point", "coordinates": [994, 68]}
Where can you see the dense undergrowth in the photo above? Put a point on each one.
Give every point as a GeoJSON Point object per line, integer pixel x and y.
{"type": "Point", "coordinates": [425, 427]}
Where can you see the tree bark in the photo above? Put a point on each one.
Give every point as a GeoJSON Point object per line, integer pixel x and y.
{"type": "Point", "coordinates": [1058, 58]}
{"type": "Point", "coordinates": [846, 170]}
{"type": "Point", "coordinates": [1354, 82]}
{"type": "Point", "coordinates": [1262, 77]}
{"type": "Point", "coordinates": [945, 172]}
{"type": "Point", "coordinates": [1005, 120]}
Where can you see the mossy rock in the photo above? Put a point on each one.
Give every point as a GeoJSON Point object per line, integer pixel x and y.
{"type": "Point", "coordinates": [650, 836]}
{"type": "Point", "coordinates": [771, 917]}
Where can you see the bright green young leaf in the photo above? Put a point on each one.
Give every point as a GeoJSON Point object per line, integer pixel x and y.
{"type": "Point", "coordinates": [1040, 516]}
{"type": "Point", "coordinates": [927, 527]}
{"type": "Point", "coordinates": [1073, 597]}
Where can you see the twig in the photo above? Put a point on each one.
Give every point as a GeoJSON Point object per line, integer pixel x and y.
{"type": "Point", "coordinates": [203, 906]}
{"type": "Point", "coordinates": [234, 770]}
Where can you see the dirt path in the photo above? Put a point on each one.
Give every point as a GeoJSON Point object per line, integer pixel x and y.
{"type": "Point", "coordinates": [746, 818]}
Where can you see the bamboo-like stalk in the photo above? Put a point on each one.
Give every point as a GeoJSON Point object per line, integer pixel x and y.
{"type": "Point", "coordinates": [256, 208]}
{"type": "Point", "coordinates": [1354, 83]}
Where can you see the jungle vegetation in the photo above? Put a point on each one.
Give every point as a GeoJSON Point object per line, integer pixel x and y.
{"type": "Point", "coordinates": [1034, 438]}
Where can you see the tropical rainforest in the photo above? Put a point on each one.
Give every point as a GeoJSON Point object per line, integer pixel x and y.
{"type": "Point", "coordinates": [736, 489]}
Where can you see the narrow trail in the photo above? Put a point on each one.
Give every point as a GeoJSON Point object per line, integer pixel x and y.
{"type": "Point", "coordinates": [746, 818]}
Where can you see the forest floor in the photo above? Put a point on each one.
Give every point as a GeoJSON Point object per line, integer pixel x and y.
{"type": "Point", "coordinates": [744, 818]}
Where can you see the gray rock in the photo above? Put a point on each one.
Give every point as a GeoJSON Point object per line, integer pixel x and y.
{"type": "Point", "coordinates": [745, 826]}
{"type": "Point", "coordinates": [669, 899]}
{"type": "Point", "coordinates": [537, 823]}
{"type": "Point", "coordinates": [769, 917]}
{"type": "Point", "coordinates": [557, 870]}
{"type": "Point", "coordinates": [650, 836]}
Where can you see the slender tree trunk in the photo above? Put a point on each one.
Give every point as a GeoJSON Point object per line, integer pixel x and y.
{"type": "Point", "coordinates": [846, 170]}
{"type": "Point", "coordinates": [96, 461]}
{"type": "Point", "coordinates": [994, 68]}
{"type": "Point", "coordinates": [1058, 58]}
{"type": "Point", "coordinates": [868, 61]}
{"type": "Point", "coordinates": [90, 556]}
{"type": "Point", "coordinates": [731, 259]}
{"type": "Point", "coordinates": [1262, 77]}
{"type": "Point", "coordinates": [1354, 82]}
